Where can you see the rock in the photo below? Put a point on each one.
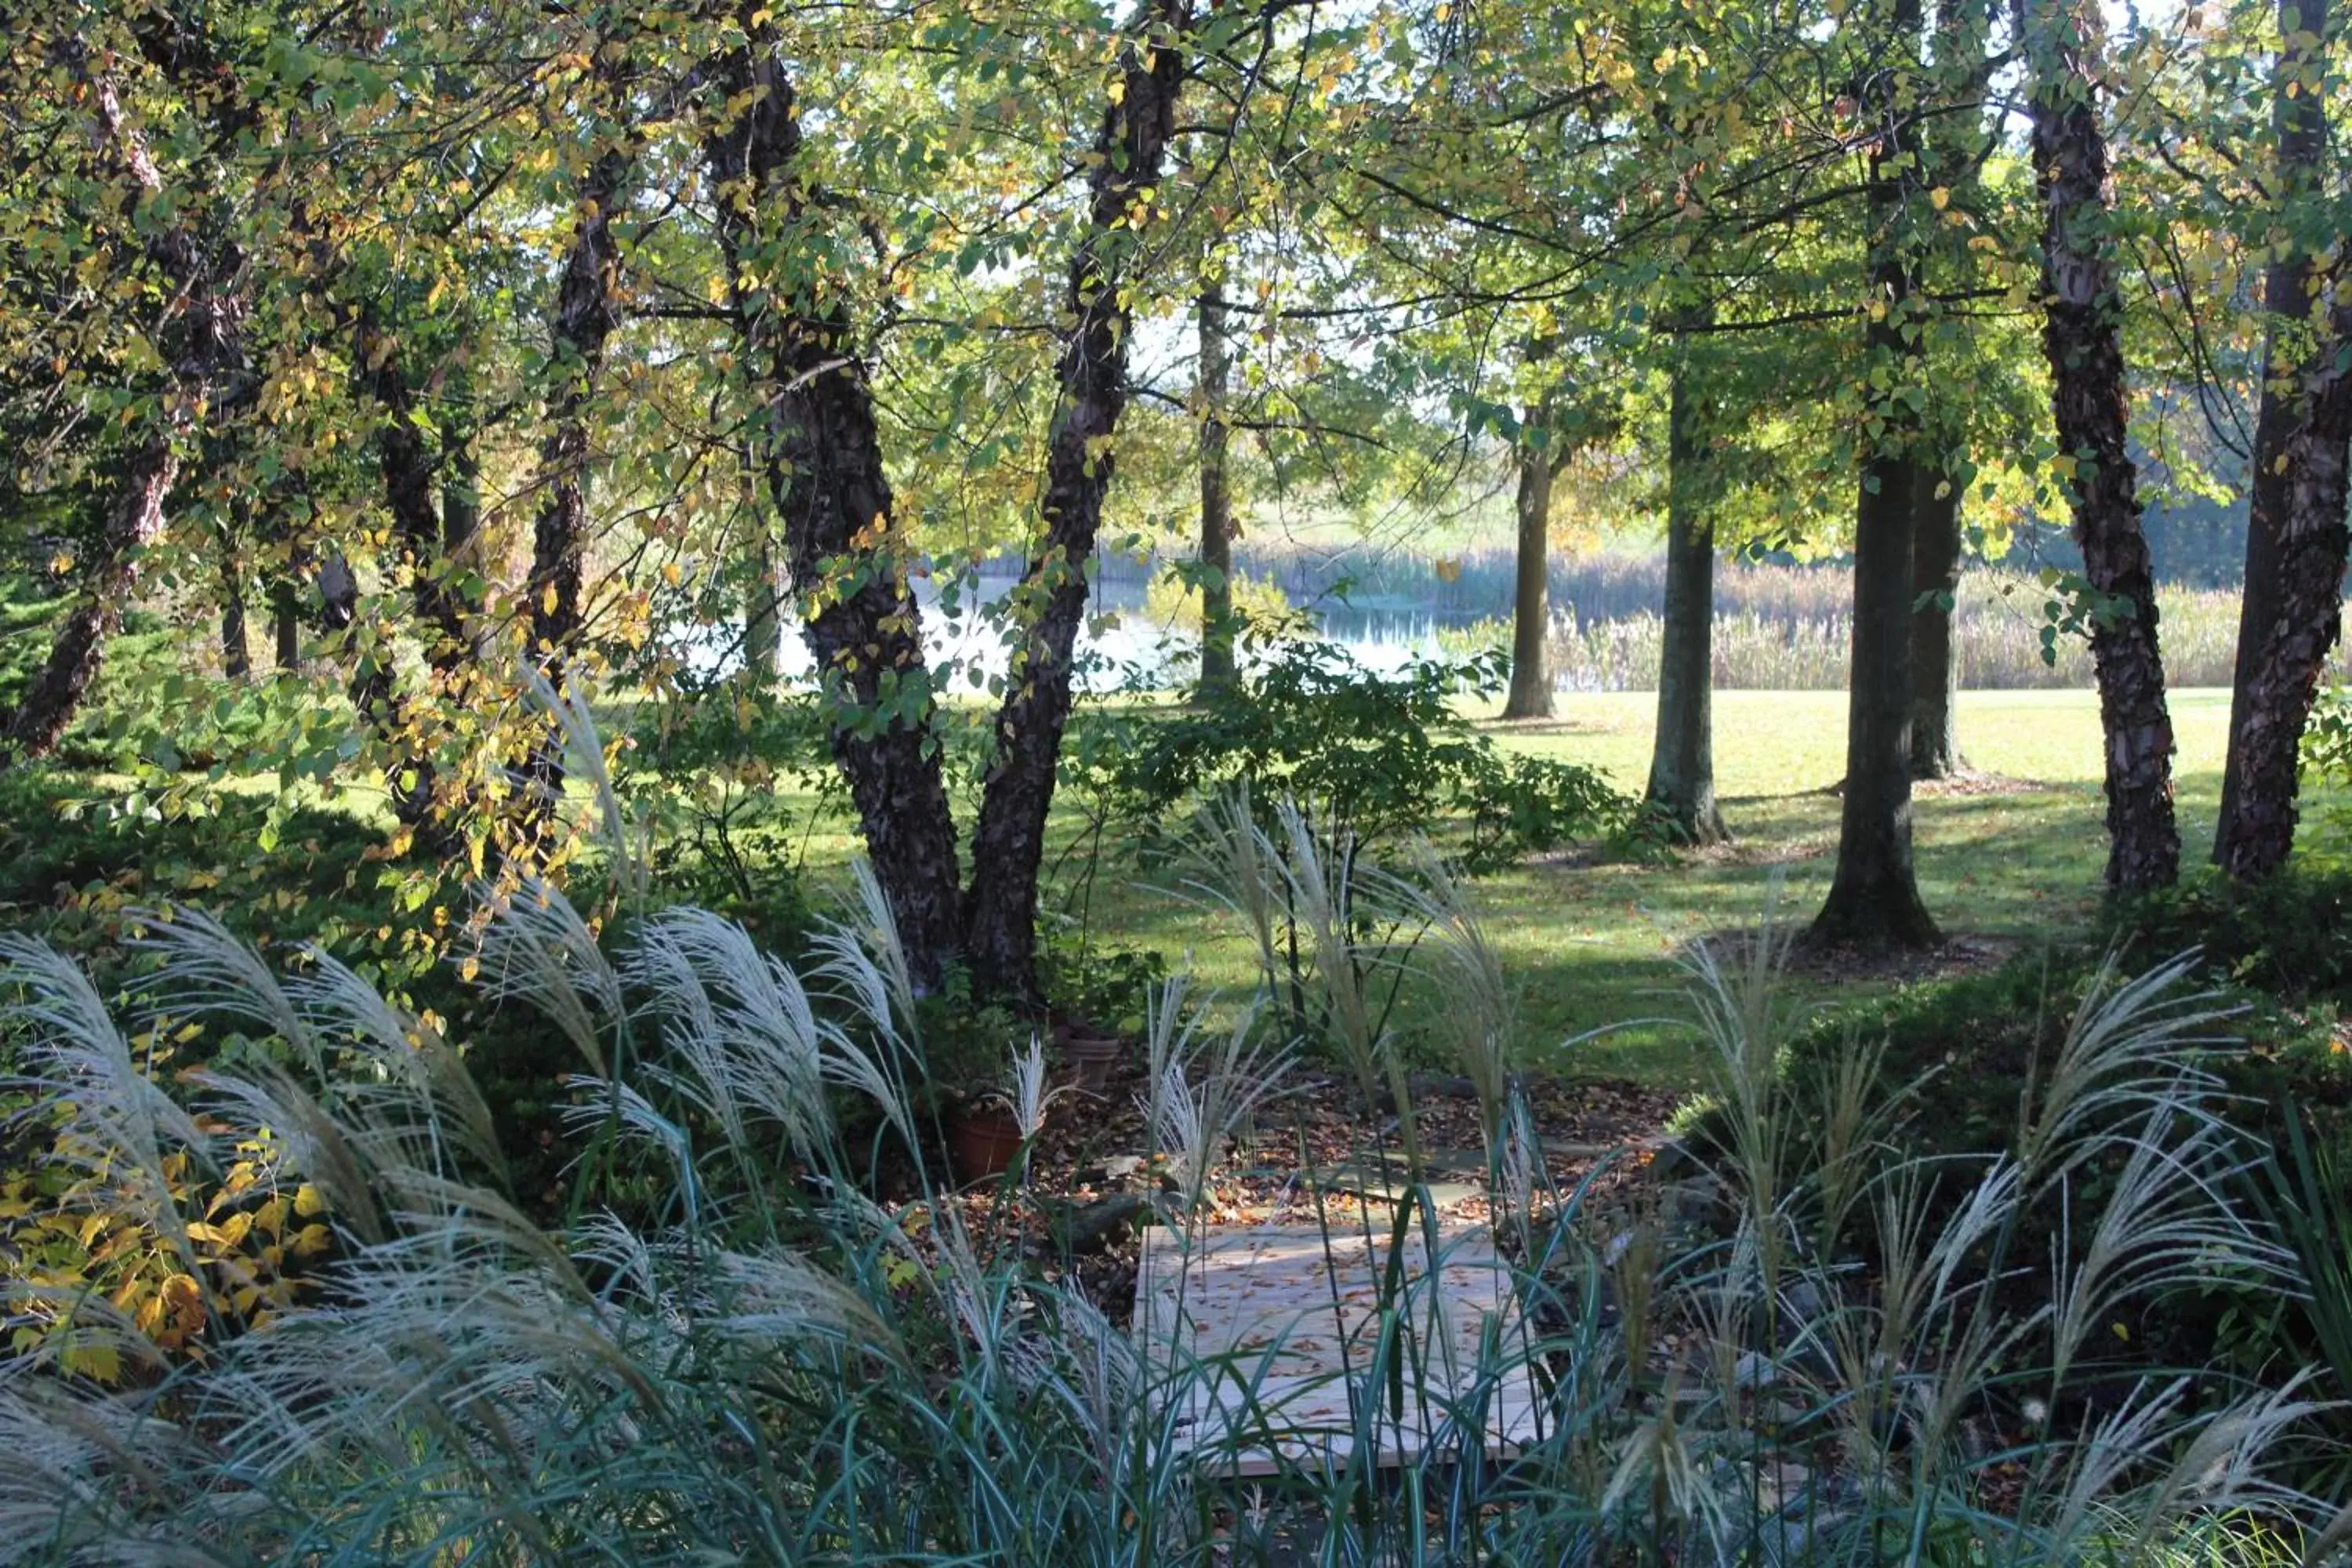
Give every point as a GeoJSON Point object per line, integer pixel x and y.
{"type": "Point", "coordinates": [1084, 1228]}
{"type": "Point", "coordinates": [1388, 1180]}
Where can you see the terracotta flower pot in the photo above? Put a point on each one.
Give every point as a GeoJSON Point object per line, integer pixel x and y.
{"type": "Point", "coordinates": [1090, 1055]}
{"type": "Point", "coordinates": [984, 1139]}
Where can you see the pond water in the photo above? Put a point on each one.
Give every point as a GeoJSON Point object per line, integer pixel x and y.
{"type": "Point", "coordinates": [1120, 646]}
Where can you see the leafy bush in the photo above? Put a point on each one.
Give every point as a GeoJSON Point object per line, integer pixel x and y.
{"type": "Point", "coordinates": [2288, 936]}
{"type": "Point", "coordinates": [1374, 757]}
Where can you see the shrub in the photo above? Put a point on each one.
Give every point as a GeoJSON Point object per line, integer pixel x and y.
{"type": "Point", "coordinates": [1373, 757]}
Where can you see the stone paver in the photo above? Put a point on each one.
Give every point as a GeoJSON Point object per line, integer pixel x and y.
{"type": "Point", "coordinates": [1294, 1318]}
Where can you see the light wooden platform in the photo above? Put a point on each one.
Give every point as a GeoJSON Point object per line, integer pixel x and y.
{"type": "Point", "coordinates": [1268, 1341]}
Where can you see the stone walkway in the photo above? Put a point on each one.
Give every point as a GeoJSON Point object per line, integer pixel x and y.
{"type": "Point", "coordinates": [1283, 1325]}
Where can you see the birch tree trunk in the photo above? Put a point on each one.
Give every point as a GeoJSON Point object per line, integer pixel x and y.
{"type": "Point", "coordinates": [1008, 843]}
{"type": "Point", "coordinates": [2082, 338]}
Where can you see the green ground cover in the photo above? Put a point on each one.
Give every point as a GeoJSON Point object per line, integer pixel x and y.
{"type": "Point", "coordinates": [2004, 866]}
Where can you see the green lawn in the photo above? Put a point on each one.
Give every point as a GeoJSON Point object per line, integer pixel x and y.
{"type": "Point", "coordinates": [1592, 944]}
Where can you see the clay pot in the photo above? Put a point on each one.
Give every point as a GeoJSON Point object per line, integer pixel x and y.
{"type": "Point", "coordinates": [1090, 1055]}
{"type": "Point", "coordinates": [984, 1139]}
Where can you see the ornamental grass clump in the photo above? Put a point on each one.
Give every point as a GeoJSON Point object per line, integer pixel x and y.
{"type": "Point", "coordinates": [726, 1349]}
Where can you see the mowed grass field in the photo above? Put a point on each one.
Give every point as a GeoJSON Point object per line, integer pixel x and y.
{"type": "Point", "coordinates": [2009, 862]}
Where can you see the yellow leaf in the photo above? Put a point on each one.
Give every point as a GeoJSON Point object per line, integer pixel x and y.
{"type": "Point", "coordinates": [308, 1203]}
{"type": "Point", "coordinates": [1448, 570]}
{"type": "Point", "coordinates": [547, 600]}
{"type": "Point", "coordinates": [1940, 198]}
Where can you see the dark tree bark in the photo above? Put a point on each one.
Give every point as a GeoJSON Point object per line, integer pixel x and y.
{"type": "Point", "coordinates": [286, 622]}
{"type": "Point", "coordinates": [1681, 793]}
{"type": "Point", "coordinates": [408, 770]}
{"type": "Point", "coordinates": [236, 654]}
{"type": "Point", "coordinates": [1008, 844]}
{"type": "Point", "coordinates": [2082, 340]}
{"type": "Point", "coordinates": [412, 490]}
{"type": "Point", "coordinates": [2307, 606]}
{"type": "Point", "coordinates": [1530, 693]}
{"type": "Point", "coordinates": [412, 484]}
{"type": "Point", "coordinates": [201, 335]}
{"type": "Point", "coordinates": [763, 626]}
{"type": "Point", "coordinates": [1935, 661]}
{"type": "Point", "coordinates": [461, 494]}
{"type": "Point", "coordinates": [133, 523]}
{"type": "Point", "coordinates": [1873, 901]}
{"type": "Point", "coordinates": [1216, 497]}
{"type": "Point", "coordinates": [584, 317]}
{"type": "Point", "coordinates": [822, 455]}
{"type": "Point", "coordinates": [2295, 525]}
{"type": "Point", "coordinates": [1954, 145]}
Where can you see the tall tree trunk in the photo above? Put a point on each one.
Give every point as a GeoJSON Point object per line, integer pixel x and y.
{"type": "Point", "coordinates": [821, 453]}
{"type": "Point", "coordinates": [763, 626]}
{"type": "Point", "coordinates": [1874, 899]}
{"type": "Point", "coordinates": [2307, 608]}
{"type": "Point", "coordinates": [237, 655]}
{"type": "Point", "coordinates": [286, 622]}
{"type": "Point", "coordinates": [2258, 595]}
{"type": "Point", "coordinates": [1681, 793]}
{"type": "Point", "coordinates": [1531, 693]}
{"type": "Point", "coordinates": [1954, 145]}
{"type": "Point", "coordinates": [2295, 524]}
{"type": "Point", "coordinates": [461, 496]}
{"type": "Point", "coordinates": [79, 648]}
{"type": "Point", "coordinates": [412, 486]}
{"type": "Point", "coordinates": [1935, 594]}
{"type": "Point", "coordinates": [1216, 497]}
{"type": "Point", "coordinates": [1008, 843]}
{"type": "Point", "coordinates": [407, 767]}
{"type": "Point", "coordinates": [202, 335]}
{"type": "Point", "coordinates": [583, 323]}
{"type": "Point", "coordinates": [2082, 340]}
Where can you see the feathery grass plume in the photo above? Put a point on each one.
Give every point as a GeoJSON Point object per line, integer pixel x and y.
{"type": "Point", "coordinates": [1203, 1090]}
{"type": "Point", "coordinates": [537, 949]}
{"type": "Point", "coordinates": [739, 1023]}
{"type": "Point", "coordinates": [863, 954]}
{"type": "Point", "coordinates": [1743, 1021]}
{"type": "Point", "coordinates": [1480, 1020]}
{"type": "Point", "coordinates": [1026, 1094]}
{"type": "Point", "coordinates": [418, 1071]}
{"type": "Point", "coordinates": [584, 759]}
{"type": "Point", "coordinates": [205, 969]}
{"type": "Point", "coordinates": [2133, 1042]}
{"type": "Point", "coordinates": [1231, 863]}
{"type": "Point", "coordinates": [343, 1160]}
{"type": "Point", "coordinates": [612, 1100]}
{"type": "Point", "coordinates": [67, 1453]}
{"type": "Point", "coordinates": [772, 1296]}
{"type": "Point", "coordinates": [2167, 1223]}
{"type": "Point", "coordinates": [117, 1125]}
